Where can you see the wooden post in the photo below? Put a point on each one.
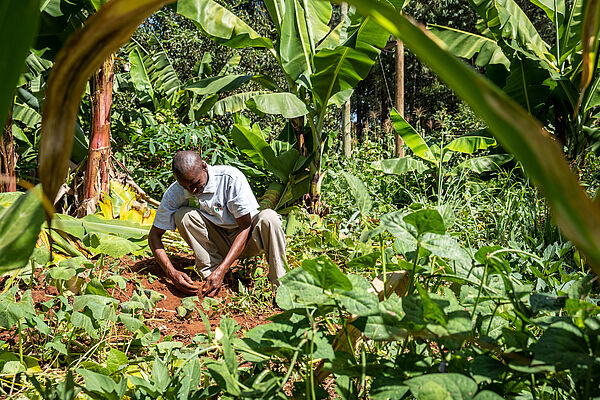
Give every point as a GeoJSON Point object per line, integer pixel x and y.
{"type": "Point", "coordinates": [97, 177]}
{"type": "Point", "coordinates": [399, 150]}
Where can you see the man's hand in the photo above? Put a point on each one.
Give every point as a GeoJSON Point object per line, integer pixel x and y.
{"type": "Point", "coordinates": [213, 283]}
{"type": "Point", "coordinates": [183, 282]}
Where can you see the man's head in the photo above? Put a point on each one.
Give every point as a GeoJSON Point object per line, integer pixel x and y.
{"type": "Point", "coordinates": [190, 171]}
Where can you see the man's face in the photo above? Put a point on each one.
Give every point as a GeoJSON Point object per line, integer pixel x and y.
{"type": "Point", "coordinates": [195, 180]}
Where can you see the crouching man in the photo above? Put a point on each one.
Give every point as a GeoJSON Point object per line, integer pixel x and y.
{"type": "Point", "coordinates": [217, 214]}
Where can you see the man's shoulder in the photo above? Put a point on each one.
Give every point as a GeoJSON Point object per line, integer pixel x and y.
{"type": "Point", "coordinates": [227, 171]}
{"type": "Point", "coordinates": [174, 191]}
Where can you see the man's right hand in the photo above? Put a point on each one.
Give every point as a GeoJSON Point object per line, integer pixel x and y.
{"type": "Point", "coordinates": [183, 282]}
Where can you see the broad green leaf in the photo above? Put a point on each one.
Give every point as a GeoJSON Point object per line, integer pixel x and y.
{"type": "Point", "coordinates": [570, 38]}
{"type": "Point", "coordinates": [384, 388]}
{"type": "Point", "coordinates": [18, 23]}
{"type": "Point", "coordinates": [454, 386]}
{"type": "Point", "coordinates": [295, 44]}
{"type": "Point", "coordinates": [399, 166]}
{"type": "Point", "coordinates": [426, 221]}
{"type": "Point", "coordinates": [233, 103]}
{"type": "Point", "coordinates": [103, 35]}
{"type": "Point", "coordinates": [125, 229]}
{"type": "Point", "coordinates": [221, 25]}
{"type": "Point", "coordinates": [217, 84]}
{"type": "Point", "coordinates": [102, 385]}
{"type": "Point", "coordinates": [285, 104]}
{"type": "Point", "coordinates": [276, 10]}
{"type": "Point", "coordinates": [318, 14]}
{"type": "Point", "coordinates": [564, 346]}
{"type": "Point", "coordinates": [466, 44]}
{"type": "Point", "coordinates": [360, 193]}
{"type": "Point", "coordinates": [507, 20]}
{"type": "Point", "coordinates": [541, 157]}
{"type": "Point", "coordinates": [412, 138]}
{"type": "Point", "coordinates": [27, 115]}
{"type": "Point", "coordinates": [132, 324]}
{"type": "Point", "coordinates": [361, 299]}
{"type": "Point", "coordinates": [483, 164]}
{"type": "Point", "coordinates": [431, 311]}
{"type": "Point", "coordinates": [552, 8]}
{"type": "Point", "coordinates": [110, 245]}
{"type": "Point", "coordinates": [328, 275]}
{"type": "Point", "coordinates": [470, 144]}
{"type": "Point", "coordinates": [115, 360]}
{"type": "Point", "coordinates": [139, 77]}
{"type": "Point", "coordinates": [486, 369]}
{"type": "Point", "coordinates": [254, 146]}
{"type": "Point", "coordinates": [11, 310]}
{"type": "Point", "coordinates": [19, 229]}
{"type": "Point", "coordinates": [341, 68]}
{"type": "Point", "coordinates": [304, 288]}
{"type": "Point", "coordinates": [102, 308]}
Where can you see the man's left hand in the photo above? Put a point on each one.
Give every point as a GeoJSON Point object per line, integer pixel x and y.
{"type": "Point", "coordinates": [213, 283]}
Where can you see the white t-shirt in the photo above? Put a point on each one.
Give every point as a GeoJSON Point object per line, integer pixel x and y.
{"type": "Point", "coordinates": [227, 196]}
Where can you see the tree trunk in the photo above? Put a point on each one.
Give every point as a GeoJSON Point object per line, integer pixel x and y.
{"type": "Point", "coordinates": [8, 158]}
{"type": "Point", "coordinates": [399, 150]}
{"type": "Point", "coordinates": [97, 177]}
{"type": "Point", "coordinates": [346, 123]}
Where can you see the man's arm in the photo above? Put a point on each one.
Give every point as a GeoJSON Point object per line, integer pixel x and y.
{"type": "Point", "coordinates": [181, 280]}
{"type": "Point", "coordinates": [215, 280]}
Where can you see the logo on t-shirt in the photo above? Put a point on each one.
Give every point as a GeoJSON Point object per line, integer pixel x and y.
{"type": "Point", "coordinates": [218, 207]}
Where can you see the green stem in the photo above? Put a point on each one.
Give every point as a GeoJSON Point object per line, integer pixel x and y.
{"type": "Point", "coordinates": [383, 266]}
{"type": "Point", "coordinates": [440, 170]}
{"type": "Point", "coordinates": [20, 342]}
{"type": "Point", "coordinates": [414, 269]}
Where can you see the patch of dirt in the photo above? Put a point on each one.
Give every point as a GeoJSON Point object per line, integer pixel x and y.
{"type": "Point", "coordinates": [149, 275]}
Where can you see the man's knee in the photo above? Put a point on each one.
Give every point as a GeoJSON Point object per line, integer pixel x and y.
{"type": "Point", "coordinates": [269, 219]}
{"type": "Point", "coordinates": [186, 217]}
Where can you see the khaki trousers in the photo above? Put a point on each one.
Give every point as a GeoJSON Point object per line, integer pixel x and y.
{"type": "Point", "coordinates": [211, 243]}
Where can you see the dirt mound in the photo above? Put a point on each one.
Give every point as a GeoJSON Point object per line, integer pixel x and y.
{"type": "Point", "coordinates": [145, 273]}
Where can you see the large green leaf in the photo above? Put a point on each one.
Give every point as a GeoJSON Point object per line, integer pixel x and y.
{"type": "Point", "coordinates": [412, 138]}
{"type": "Point", "coordinates": [233, 103]}
{"type": "Point", "coordinates": [343, 67]}
{"type": "Point", "coordinates": [466, 45]}
{"type": "Point", "coordinates": [276, 10]}
{"type": "Point", "coordinates": [552, 8]}
{"type": "Point", "coordinates": [570, 38]}
{"type": "Point", "coordinates": [486, 163]}
{"type": "Point", "coordinates": [508, 21]}
{"type": "Point", "coordinates": [19, 229]}
{"type": "Point", "coordinates": [541, 157]}
{"type": "Point", "coordinates": [399, 166]}
{"type": "Point", "coordinates": [218, 84]}
{"type": "Point", "coordinates": [254, 146]}
{"type": "Point", "coordinates": [139, 77]}
{"type": "Point", "coordinates": [328, 275]}
{"type": "Point", "coordinates": [221, 25]}
{"type": "Point", "coordinates": [442, 386]}
{"type": "Point", "coordinates": [285, 104]}
{"type": "Point", "coordinates": [295, 44]}
{"type": "Point", "coordinates": [470, 144]}
{"type": "Point", "coordinates": [125, 229]}
{"type": "Point", "coordinates": [360, 193]}
{"type": "Point", "coordinates": [18, 23]}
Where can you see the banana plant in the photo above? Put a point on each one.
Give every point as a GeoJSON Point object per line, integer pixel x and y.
{"type": "Point", "coordinates": [556, 84]}
{"type": "Point", "coordinates": [320, 65]}
{"type": "Point", "coordinates": [432, 157]}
